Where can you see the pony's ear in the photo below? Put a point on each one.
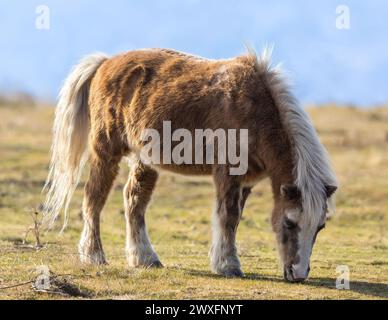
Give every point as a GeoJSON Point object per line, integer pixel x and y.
{"type": "Point", "coordinates": [290, 191]}
{"type": "Point", "coordinates": [330, 190]}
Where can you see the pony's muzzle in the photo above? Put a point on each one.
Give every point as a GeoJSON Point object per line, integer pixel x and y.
{"type": "Point", "coordinates": [292, 274]}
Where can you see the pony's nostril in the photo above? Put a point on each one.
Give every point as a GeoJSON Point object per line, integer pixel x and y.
{"type": "Point", "coordinates": [299, 276]}
{"type": "Point", "coordinates": [291, 275]}
{"type": "Point", "coordinates": [288, 273]}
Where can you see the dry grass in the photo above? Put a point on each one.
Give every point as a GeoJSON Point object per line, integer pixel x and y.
{"type": "Point", "coordinates": [179, 224]}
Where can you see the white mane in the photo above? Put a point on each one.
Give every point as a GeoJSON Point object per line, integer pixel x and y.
{"type": "Point", "coordinates": [313, 169]}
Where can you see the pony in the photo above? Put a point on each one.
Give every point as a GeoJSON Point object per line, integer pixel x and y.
{"type": "Point", "coordinates": [107, 103]}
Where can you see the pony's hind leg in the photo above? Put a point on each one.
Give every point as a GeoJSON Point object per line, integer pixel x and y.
{"type": "Point", "coordinates": [103, 170]}
{"type": "Point", "coordinates": [230, 200]}
{"type": "Point", "coordinates": [137, 194]}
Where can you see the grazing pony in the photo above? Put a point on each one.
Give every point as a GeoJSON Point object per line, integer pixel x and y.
{"type": "Point", "coordinates": [105, 106]}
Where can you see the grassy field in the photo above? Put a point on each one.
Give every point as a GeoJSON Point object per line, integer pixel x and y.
{"type": "Point", "coordinates": [179, 224]}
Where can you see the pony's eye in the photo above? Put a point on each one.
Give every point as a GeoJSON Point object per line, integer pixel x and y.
{"type": "Point", "coordinates": [288, 224]}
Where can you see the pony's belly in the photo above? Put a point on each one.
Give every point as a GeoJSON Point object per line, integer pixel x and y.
{"type": "Point", "coordinates": [250, 180]}
{"type": "Point", "coordinates": [186, 169]}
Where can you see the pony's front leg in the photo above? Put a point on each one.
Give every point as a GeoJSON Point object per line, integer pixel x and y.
{"type": "Point", "coordinates": [226, 217]}
{"type": "Point", "coordinates": [137, 194]}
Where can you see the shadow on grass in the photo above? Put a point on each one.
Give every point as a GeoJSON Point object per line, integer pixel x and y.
{"type": "Point", "coordinates": [362, 287]}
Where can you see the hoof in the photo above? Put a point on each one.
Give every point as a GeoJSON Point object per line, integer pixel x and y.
{"type": "Point", "coordinates": [145, 260]}
{"type": "Point", "coordinates": [232, 273]}
{"type": "Point", "coordinates": [97, 259]}
{"type": "Point", "coordinates": [91, 252]}
{"type": "Point", "coordinates": [155, 265]}
{"type": "Point", "coordinates": [147, 265]}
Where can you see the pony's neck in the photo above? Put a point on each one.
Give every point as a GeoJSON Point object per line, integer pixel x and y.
{"type": "Point", "coordinates": [277, 155]}
{"type": "Point", "coordinates": [280, 171]}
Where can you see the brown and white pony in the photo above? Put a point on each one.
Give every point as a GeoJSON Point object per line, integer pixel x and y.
{"type": "Point", "coordinates": [106, 104]}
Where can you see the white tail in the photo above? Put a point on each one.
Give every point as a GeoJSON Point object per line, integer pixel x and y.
{"type": "Point", "coordinates": [70, 139]}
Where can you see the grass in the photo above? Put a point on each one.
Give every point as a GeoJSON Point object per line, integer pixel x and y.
{"type": "Point", "coordinates": [179, 224]}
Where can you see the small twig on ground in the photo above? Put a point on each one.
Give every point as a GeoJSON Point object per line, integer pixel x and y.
{"type": "Point", "coordinates": [35, 228]}
{"type": "Point", "coordinates": [59, 285]}
{"type": "Point", "coordinates": [17, 285]}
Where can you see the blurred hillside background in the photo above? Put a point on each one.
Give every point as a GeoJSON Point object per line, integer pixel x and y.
{"type": "Point", "coordinates": [335, 51]}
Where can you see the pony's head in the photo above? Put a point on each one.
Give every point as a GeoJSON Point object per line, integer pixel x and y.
{"type": "Point", "coordinates": [303, 180]}
{"type": "Point", "coordinates": [296, 230]}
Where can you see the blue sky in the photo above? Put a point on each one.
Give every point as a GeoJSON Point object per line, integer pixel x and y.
{"type": "Point", "coordinates": [326, 64]}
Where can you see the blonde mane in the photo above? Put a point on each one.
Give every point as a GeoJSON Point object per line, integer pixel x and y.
{"type": "Point", "coordinates": [312, 171]}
